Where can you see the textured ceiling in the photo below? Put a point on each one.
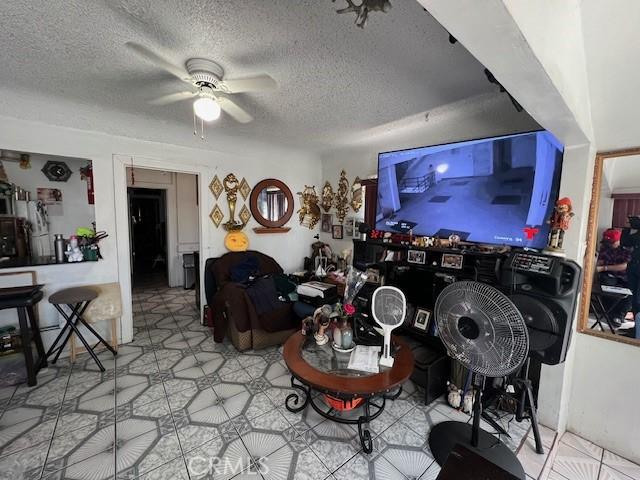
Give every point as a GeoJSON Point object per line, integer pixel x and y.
{"type": "Point", "coordinates": [333, 77]}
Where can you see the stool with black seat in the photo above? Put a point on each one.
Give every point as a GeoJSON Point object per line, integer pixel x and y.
{"type": "Point", "coordinates": [24, 299]}
{"type": "Point", "coordinates": [77, 300]}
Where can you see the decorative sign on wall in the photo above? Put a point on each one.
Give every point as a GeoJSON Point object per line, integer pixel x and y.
{"type": "Point", "coordinates": [309, 212]}
{"type": "Point", "coordinates": [342, 197]}
{"type": "Point", "coordinates": [244, 188]}
{"type": "Point", "coordinates": [216, 216]}
{"type": "Point", "coordinates": [56, 171]}
{"type": "Point", "coordinates": [216, 186]}
{"type": "Point", "coordinates": [356, 195]}
{"type": "Point", "coordinates": [327, 197]}
{"type": "Point", "coordinates": [245, 215]}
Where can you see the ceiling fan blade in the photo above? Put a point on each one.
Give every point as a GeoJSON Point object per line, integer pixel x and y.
{"type": "Point", "coordinates": [259, 83]}
{"type": "Point", "coordinates": [172, 97]}
{"type": "Point", "coordinates": [157, 60]}
{"type": "Point", "coordinates": [232, 108]}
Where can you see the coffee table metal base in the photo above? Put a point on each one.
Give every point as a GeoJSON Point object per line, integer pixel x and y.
{"type": "Point", "coordinates": [296, 403]}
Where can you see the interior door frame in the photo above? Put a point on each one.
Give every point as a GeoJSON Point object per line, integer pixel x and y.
{"type": "Point", "coordinates": [121, 204]}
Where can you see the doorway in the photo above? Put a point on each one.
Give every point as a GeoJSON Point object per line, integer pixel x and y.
{"type": "Point", "coordinates": [164, 227]}
{"type": "Point", "coordinates": [148, 236]}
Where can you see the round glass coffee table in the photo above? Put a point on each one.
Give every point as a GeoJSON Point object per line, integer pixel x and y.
{"type": "Point", "coordinates": [321, 369]}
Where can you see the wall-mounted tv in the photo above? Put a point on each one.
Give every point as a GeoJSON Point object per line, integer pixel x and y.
{"type": "Point", "coordinates": [499, 190]}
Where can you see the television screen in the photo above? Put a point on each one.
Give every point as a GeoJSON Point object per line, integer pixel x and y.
{"type": "Point", "coordinates": [499, 190]}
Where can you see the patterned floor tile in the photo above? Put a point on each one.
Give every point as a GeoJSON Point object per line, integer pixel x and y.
{"type": "Point", "coordinates": [220, 459]}
{"type": "Point", "coordinates": [98, 467]}
{"type": "Point", "coordinates": [608, 473]}
{"type": "Point", "coordinates": [294, 460]}
{"type": "Point", "coordinates": [174, 470]}
{"type": "Point", "coordinates": [138, 454]}
{"type": "Point", "coordinates": [621, 464]}
{"type": "Point", "coordinates": [333, 443]}
{"type": "Point", "coordinates": [25, 434]}
{"type": "Point", "coordinates": [26, 464]}
{"type": "Point", "coordinates": [585, 446]}
{"type": "Point", "coordinates": [78, 445]}
{"type": "Point", "coordinates": [432, 472]}
{"type": "Point", "coordinates": [574, 464]}
{"type": "Point", "coordinates": [363, 467]}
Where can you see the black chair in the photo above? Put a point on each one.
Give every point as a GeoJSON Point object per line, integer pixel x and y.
{"type": "Point", "coordinates": [23, 299]}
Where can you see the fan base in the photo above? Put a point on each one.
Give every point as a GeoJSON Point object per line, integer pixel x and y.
{"type": "Point", "coordinates": [446, 435]}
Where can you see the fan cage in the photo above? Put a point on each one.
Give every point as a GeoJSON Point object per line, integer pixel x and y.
{"type": "Point", "coordinates": [502, 344]}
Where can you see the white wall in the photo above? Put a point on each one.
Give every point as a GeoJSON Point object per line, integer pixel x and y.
{"type": "Point", "coordinates": [606, 383]}
{"type": "Point", "coordinates": [219, 156]}
{"type": "Point", "coordinates": [76, 211]}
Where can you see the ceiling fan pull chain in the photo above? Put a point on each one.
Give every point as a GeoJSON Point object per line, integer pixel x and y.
{"type": "Point", "coordinates": [202, 129]}
{"type": "Point", "coordinates": [195, 125]}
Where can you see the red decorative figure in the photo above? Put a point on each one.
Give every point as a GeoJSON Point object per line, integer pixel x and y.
{"type": "Point", "coordinates": [559, 222]}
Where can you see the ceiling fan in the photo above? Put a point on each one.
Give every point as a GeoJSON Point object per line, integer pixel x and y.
{"type": "Point", "coordinates": [208, 86]}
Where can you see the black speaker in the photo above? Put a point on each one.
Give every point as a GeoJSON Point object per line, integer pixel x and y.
{"type": "Point", "coordinates": [545, 290]}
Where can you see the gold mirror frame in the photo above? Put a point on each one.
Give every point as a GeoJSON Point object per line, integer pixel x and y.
{"type": "Point", "coordinates": [590, 253]}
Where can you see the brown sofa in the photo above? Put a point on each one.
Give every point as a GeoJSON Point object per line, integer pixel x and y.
{"type": "Point", "coordinates": [234, 313]}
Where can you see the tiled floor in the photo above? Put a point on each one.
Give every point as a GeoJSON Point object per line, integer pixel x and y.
{"type": "Point", "coordinates": [175, 405]}
{"type": "Point", "coordinates": [578, 459]}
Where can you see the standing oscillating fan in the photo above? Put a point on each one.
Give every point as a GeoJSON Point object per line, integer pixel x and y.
{"type": "Point", "coordinates": [389, 307]}
{"type": "Point", "coordinates": [484, 331]}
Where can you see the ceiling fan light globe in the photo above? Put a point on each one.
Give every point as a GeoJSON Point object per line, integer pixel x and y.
{"type": "Point", "coordinates": [206, 109]}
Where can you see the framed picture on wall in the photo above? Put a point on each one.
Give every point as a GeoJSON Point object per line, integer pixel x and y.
{"type": "Point", "coordinates": [326, 222]}
{"type": "Point", "coordinates": [356, 229]}
{"type": "Point", "coordinates": [337, 232]}
{"type": "Point", "coordinates": [421, 320]}
{"type": "Point", "coordinates": [348, 226]}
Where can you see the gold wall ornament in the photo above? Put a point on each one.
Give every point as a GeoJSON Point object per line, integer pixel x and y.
{"type": "Point", "coordinates": [309, 212]}
{"type": "Point", "coordinates": [216, 186]}
{"type": "Point", "coordinates": [231, 185]}
{"type": "Point", "coordinates": [245, 215]}
{"type": "Point", "coordinates": [244, 188]}
{"type": "Point", "coordinates": [341, 201]}
{"type": "Point", "coordinates": [356, 195]}
{"type": "Point", "coordinates": [216, 216]}
{"type": "Point", "coordinates": [327, 197]}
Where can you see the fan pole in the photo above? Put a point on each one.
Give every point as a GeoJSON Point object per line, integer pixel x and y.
{"type": "Point", "coordinates": [478, 383]}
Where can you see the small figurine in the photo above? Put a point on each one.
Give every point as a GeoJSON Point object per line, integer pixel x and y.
{"type": "Point", "coordinates": [73, 253]}
{"type": "Point", "coordinates": [321, 321]}
{"type": "Point", "coordinates": [454, 240]}
{"type": "Point", "coordinates": [559, 222]}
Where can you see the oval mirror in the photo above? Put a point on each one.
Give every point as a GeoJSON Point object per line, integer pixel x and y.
{"type": "Point", "coordinates": [271, 205]}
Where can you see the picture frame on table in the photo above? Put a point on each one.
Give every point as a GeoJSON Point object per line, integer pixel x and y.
{"type": "Point", "coordinates": [326, 222]}
{"type": "Point", "coordinates": [417, 256]}
{"type": "Point", "coordinates": [337, 232]}
{"type": "Point", "coordinates": [422, 319]}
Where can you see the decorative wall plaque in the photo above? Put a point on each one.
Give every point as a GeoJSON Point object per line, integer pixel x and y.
{"type": "Point", "coordinates": [327, 197]}
{"type": "Point", "coordinates": [309, 212]}
{"type": "Point", "coordinates": [216, 216]}
{"type": "Point", "coordinates": [356, 195]}
{"type": "Point", "coordinates": [216, 186]}
{"type": "Point", "coordinates": [245, 215]}
{"type": "Point", "coordinates": [56, 171]}
{"type": "Point", "coordinates": [244, 188]}
{"type": "Point", "coordinates": [341, 202]}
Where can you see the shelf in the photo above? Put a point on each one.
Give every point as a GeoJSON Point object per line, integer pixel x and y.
{"type": "Point", "coordinates": [263, 230]}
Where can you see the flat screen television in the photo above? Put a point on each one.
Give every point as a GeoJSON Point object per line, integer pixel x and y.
{"type": "Point", "coordinates": [499, 190]}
